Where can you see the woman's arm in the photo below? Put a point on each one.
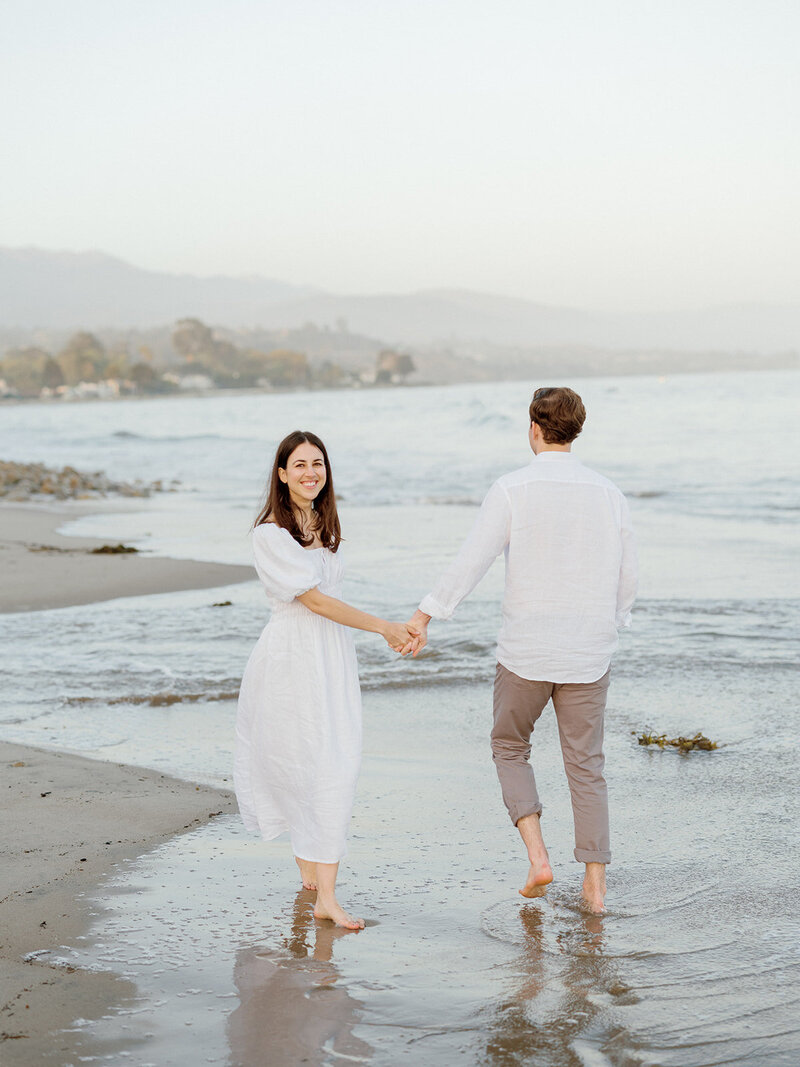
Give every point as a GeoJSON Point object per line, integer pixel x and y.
{"type": "Point", "coordinates": [396, 634]}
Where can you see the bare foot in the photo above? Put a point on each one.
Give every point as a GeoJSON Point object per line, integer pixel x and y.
{"type": "Point", "coordinates": [594, 888]}
{"type": "Point", "coordinates": [540, 876]}
{"type": "Point", "coordinates": [308, 872]}
{"type": "Point", "coordinates": [335, 912]}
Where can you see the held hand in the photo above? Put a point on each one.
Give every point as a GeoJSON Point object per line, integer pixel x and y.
{"type": "Point", "coordinates": [415, 644]}
{"type": "Point", "coordinates": [417, 623]}
{"type": "Point", "coordinates": [397, 636]}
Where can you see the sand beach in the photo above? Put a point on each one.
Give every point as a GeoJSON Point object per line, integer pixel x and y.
{"type": "Point", "coordinates": [67, 820]}
{"type": "Point", "coordinates": [43, 569]}
{"type": "Point", "coordinates": [172, 937]}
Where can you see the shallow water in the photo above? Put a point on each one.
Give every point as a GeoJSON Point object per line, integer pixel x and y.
{"type": "Point", "coordinates": [697, 960]}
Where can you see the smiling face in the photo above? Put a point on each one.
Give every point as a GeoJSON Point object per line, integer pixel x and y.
{"type": "Point", "coordinates": [304, 474]}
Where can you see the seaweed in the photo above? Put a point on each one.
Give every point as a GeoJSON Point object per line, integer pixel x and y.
{"type": "Point", "coordinates": [113, 550]}
{"type": "Point", "coordinates": [683, 744]}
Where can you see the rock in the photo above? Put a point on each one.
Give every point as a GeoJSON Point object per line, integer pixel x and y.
{"type": "Point", "coordinates": [24, 481]}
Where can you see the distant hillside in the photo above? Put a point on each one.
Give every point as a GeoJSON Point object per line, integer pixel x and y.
{"type": "Point", "coordinates": [60, 290]}
{"type": "Point", "coordinates": [68, 290]}
{"type": "Point", "coordinates": [452, 316]}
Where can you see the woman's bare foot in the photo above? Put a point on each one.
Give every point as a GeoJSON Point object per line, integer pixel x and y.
{"type": "Point", "coordinates": [594, 888]}
{"type": "Point", "coordinates": [335, 912]}
{"type": "Point", "coordinates": [540, 874]}
{"type": "Point", "coordinates": [308, 872]}
{"type": "Point", "coordinates": [327, 906]}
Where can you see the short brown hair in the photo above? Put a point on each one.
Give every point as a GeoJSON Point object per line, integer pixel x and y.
{"type": "Point", "coordinates": [559, 412]}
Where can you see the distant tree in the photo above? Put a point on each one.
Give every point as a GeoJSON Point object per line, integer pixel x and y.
{"type": "Point", "coordinates": [82, 359]}
{"type": "Point", "coordinates": [193, 340]}
{"type": "Point", "coordinates": [118, 366]}
{"type": "Point", "coordinates": [330, 375]}
{"type": "Point", "coordinates": [142, 374]}
{"type": "Point", "coordinates": [286, 369]}
{"type": "Point", "coordinates": [252, 367]}
{"type": "Point", "coordinates": [52, 375]}
{"type": "Point", "coordinates": [24, 369]}
{"type": "Point", "coordinates": [118, 362]}
{"type": "Point", "coordinates": [225, 358]}
{"type": "Point", "coordinates": [391, 365]}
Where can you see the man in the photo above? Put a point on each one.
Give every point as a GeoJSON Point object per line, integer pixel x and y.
{"type": "Point", "coordinates": [570, 583]}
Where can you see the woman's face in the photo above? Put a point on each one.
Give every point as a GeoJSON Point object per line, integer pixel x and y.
{"type": "Point", "coordinates": [304, 474]}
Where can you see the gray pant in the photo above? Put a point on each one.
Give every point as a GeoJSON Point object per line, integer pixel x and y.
{"type": "Point", "coordinates": [579, 708]}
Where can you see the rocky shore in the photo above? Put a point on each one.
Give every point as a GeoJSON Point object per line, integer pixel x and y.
{"type": "Point", "coordinates": [29, 481]}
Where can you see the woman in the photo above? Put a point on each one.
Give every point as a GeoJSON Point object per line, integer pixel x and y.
{"type": "Point", "coordinates": [298, 728]}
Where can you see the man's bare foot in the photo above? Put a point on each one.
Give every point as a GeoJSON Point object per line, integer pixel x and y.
{"type": "Point", "coordinates": [335, 912]}
{"type": "Point", "coordinates": [308, 872]}
{"type": "Point", "coordinates": [594, 888]}
{"type": "Point", "coordinates": [540, 874]}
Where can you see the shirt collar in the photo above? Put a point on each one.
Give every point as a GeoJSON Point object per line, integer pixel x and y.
{"type": "Point", "coordinates": [558, 457]}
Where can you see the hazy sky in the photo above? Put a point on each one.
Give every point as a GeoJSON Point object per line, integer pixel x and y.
{"type": "Point", "coordinates": [612, 155]}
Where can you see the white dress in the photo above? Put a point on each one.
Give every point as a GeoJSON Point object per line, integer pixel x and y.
{"type": "Point", "coordinates": [298, 727]}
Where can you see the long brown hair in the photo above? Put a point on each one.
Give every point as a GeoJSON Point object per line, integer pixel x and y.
{"type": "Point", "coordinates": [279, 504]}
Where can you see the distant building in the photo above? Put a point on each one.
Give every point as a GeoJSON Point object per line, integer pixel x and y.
{"type": "Point", "coordinates": [195, 383]}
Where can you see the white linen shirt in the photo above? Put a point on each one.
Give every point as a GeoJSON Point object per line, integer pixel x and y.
{"type": "Point", "coordinates": [571, 568]}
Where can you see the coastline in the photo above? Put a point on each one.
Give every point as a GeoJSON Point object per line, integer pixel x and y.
{"type": "Point", "coordinates": [65, 821]}
{"type": "Point", "coordinates": [628, 363]}
{"type": "Point", "coordinates": [43, 569]}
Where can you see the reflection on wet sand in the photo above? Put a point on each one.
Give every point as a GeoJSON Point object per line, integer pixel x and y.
{"type": "Point", "coordinates": [562, 986]}
{"type": "Point", "coordinates": [293, 1007]}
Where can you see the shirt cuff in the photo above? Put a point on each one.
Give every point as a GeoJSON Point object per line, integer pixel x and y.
{"type": "Point", "coordinates": [433, 608]}
{"type": "Point", "coordinates": [623, 621]}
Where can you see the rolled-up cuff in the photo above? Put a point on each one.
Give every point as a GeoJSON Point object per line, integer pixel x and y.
{"type": "Point", "coordinates": [432, 607]}
{"type": "Point", "coordinates": [586, 855]}
{"type": "Point", "coordinates": [522, 811]}
{"type": "Point", "coordinates": [624, 621]}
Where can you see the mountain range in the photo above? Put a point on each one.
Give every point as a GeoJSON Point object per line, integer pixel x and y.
{"type": "Point", "coordinates": [92, 290]}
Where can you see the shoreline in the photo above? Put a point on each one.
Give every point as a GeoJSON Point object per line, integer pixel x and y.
{"type": "Point", "coordinates": [66, 821]}
{"type": "Point", "coordinates": [774, 362]}
{"type": "Point", "coordinates": [43, 569]}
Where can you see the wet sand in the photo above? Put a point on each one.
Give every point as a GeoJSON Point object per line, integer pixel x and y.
{"type": "Point", "coordinates": [66, 821]}
{"type": "Point", "coordinates": [42, 569]}
{"type": "Point", "coordinates": [695, 962]}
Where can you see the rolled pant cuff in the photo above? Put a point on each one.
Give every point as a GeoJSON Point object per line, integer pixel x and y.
{"type": "Point", "coordinates": [588, 855]}
{"type": "Point", "coordinates": [522, 812]}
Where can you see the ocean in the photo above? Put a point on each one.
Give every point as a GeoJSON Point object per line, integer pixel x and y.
{"type": "Point", "coordinates": [696, 961]}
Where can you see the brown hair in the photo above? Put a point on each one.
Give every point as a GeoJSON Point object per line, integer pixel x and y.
{"type": "Point", "coordinates": [559, 412]}
{"type": "Point", "coordinates": [278, 507]}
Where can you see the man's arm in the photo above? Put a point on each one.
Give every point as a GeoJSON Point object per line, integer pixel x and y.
{"type": "Point", "coordinates": [485, 541]}
{"type": "Point", "coordinates": [628, 570]}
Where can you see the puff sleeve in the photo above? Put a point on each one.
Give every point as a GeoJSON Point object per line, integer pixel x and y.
{"type": "Point", "coordinates": [285, 568]}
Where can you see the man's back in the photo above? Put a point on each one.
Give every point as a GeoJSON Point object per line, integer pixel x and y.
{"type": "Point", "coordinates": [570, 569]}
